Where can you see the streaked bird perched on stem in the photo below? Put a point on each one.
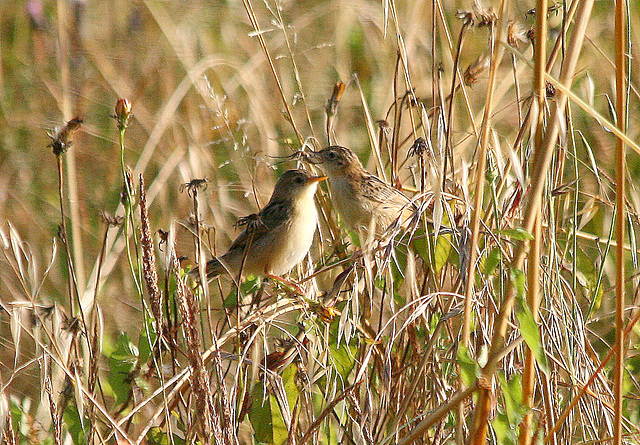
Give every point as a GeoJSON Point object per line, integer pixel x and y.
{"type": "Point", "coordinates": [361, 199]}
{"type": "Point", "coordinates": [278, 237]}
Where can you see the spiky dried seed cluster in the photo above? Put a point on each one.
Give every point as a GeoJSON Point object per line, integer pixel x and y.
{"type": "Point", "coordinates": [419, 147]}
{"type": "Point", "coordinates": [251, 222]}
{"type": "Point", "coordinates": [193, 186]}
{"type": "Point", "coordinates": [480, 16]}
{"type": "Point", "coordinates": [60, 141]}
{"type": "Point", "coordinates": [149, 260]}
{"type": "Point", "coordinates": [200, 382]}
{"type": "Point", "coordinates": [474, 71]}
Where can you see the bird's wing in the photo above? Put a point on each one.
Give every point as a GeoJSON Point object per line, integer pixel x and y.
{"type": "Point", "coordinates": [383, 193]}
{"type": "Point", "coordinates": [258, 225]}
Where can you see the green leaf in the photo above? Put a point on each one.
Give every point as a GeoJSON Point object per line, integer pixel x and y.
{"type": "Point", "coordinates": [266, 418]}
{"type": "Point", "coordinates": [122, 362]}
{"type": "Point", "coordinates": [517, 233]}
{"type": "Point", "coordinates": [531, 333]}
{"type": "Point", "coordinates": [289, 379]}
{"type": "Point", "coordinates": [156, 436]}
{"type": "Point", "coordinates": [231, 301]}
{"type": "Point", "coordinates": [504, 432]}
{"type": "Point", "coordinates": [145, 344]}
{"type": "Point", "coordinates": [468, 367]}
{"type": "Point", "coordinates": [519, 280]}
{"type": "Point", "coordinates": [442, 251]}
{"type": "Point", "coordinates": [419, 244]}
{"type": "Point", "coordinates": [492, 261]}
{"type": "Point", "coordinates": [260, 415]}
{"type": "Point", "coordinates": [71, 419]}
{"type": "Point", "coordinates": [342, 355]}
{"type": "Point", "coordinates": [512, 393]}
{"type": "Point", "coordinates": [249, 286]}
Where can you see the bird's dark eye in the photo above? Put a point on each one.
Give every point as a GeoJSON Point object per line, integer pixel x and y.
{"type": "Point", "coordinates": [331, 155]}
{"type": "Point", "coordinates": [299, 180]}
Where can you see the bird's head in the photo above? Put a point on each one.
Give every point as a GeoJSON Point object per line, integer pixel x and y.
{"type": "Point", "coordinates": [296, 184]}
{"type": "Point", "coordinates": [336, 160]}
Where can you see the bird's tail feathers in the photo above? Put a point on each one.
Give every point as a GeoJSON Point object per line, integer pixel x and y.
{"type": "Point", "coordinates": [214, 269]}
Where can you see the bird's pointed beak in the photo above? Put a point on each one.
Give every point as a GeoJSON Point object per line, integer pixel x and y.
{"type": "Point", "coordinates": [314, 157]}
{"type": "Point", "coordinates": [316, 179]}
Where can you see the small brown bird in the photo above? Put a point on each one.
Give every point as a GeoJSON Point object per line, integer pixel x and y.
{"type": "Point", "coordinates": [279, 236]}
{"type": "Point", "coordinates": [362, 200]}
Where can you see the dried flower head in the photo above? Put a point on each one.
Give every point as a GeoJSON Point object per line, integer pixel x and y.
{"type": "Point", "coordinates": [252, 222]}
{"type": "Point", "coordinates": [60, 141]}
{"type": "Point", "coordinates": [419, 147]}
{"type": "Point", "coordinates": [550, 89]}
{"type": "Point", "coordinates": [475, 70]}
{"type": "Point", "coordinates": [516, 33]}
{"type": "Point", "coordinates": [334, 100]}
{"type": "Point", "coordinates": [111, 220]}
{"type": "Point", "coordinates": [194, 185]}
{"type": "Point", "coordinates": [481, 16]}
{"type": "Point", "coordinates": [486, 16]}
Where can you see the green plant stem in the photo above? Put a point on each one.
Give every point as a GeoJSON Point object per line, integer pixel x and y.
{"type": "Point", "coordinates": [621, 72]}
{"type": "Point", "coordinates": [128, 216]}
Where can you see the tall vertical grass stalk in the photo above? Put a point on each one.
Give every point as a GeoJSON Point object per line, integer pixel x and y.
{"type": "Point", "coordinates": [122, 114]}
{"type": "Point", "coordinates": [60, 144]}
{"type": "Point", "coordinates": [533, 266]}
{"type": "Point", "coordinates": [480, 171]}
{"type": "Point", "coordinates": [620, 221]}
{"type": "Point", "coordinates": [70, 159]}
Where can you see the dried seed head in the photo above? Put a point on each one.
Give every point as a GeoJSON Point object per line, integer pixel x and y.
{"type": "Point", "coordinates": [252, 222]}
{"type": "Point", "coordinates": [473, 72]}
{"type": "Point", "coordinates": [516, 34]}
{"type": "Point", "coordinates": [123, 112]}
{"type": "Point", "coordinates": [550, 89]}
{"type": "Point", "coordinates": [486, 17]}
{"type": "Point", "coordinates": [194, 185]}
{"type": "Point", "coordinates": [467, 17]}
{"type": "Point", "coordinates": [419, 147]}
{"type": "Point", "coordinates": [149, 261]}
{"type": "Point", "coordinates": [60, 141]}
{"type": "Point", "coordinates": [111, 220]}
{"type": "Point", "coordinates": [334, 100]}
{"type": "Point", "coordinates": [163, 234]}
{"type": "Point", "coordinates": [480, 16]}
